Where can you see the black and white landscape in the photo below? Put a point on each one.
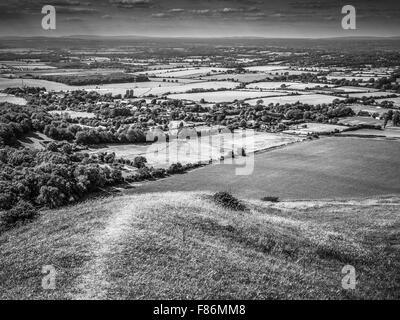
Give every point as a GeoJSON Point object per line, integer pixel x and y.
{"type": "Point", "coordinates": [223, 149]}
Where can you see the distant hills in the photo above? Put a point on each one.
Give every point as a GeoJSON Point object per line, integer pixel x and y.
{"type": "Point", "coordinates": [138, 37]}
{"type": "Point", "coordinates": [97, 41]}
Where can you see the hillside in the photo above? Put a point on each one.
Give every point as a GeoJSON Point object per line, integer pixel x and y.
{"type": "Point", "coordinates": [183, 245]}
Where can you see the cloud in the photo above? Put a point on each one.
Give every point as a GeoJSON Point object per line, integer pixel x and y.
{"type": "Point", "coordinates": [313, 5]}
{"type": "Point", "coordinates": [73, 19]}
{"type": "Point", "coordinates": [131, 3]}
{"type": "Point", "coordinates": [64, 3]}
{"type": "Point", "coordinates": [252, 9]}
{"type": "Point", "coordinates": [106, 16]}
{"type": "Point", "coordinates": [253, 18]}
{"type": "Point", "coordinates": [176, 10]}
{"type": "Point", "coordinates": [160, 15]}
{"type": "Point", "coordinates": [257, 14]}
{"type": "Point", "coordinates": [200, 11]}
{"type": "Point", "coordinates": [75, 10]}
{"type": "Point", "coordinates": [229, 10]}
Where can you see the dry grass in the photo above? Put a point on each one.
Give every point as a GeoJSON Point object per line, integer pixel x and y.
{"type": "Point", "coordinates": [182, 245]}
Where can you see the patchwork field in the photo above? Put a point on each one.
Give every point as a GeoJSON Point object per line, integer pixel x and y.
{"type": "Point", "coordinates": [158, 88]}
{"type": "Point", "coordinates": [73, 114]}
{"type": "Point", "coordinates": [287, 85]}
{"type": "Point", "coordinates": [268, 68]}
{"type": "Point", "coordinates": [225, 96]}
{"type": "Point", "coordinates": [174, 81]}
{"type": "Point", "coordinates": [185, 72]}
{"type": "Point", "coordinates": [355, 89]}
{"type": "Point", "coordinates": [312, 128]}
{"type": "Point", "coordinates": [49, 85]}
{"type": "Point", "coordinates": [396, 101]}
{"type": "Point", "coordinates": [202, 149]}
{"type": "Point", "coordinates": [347, 77]}
{"type": "Point", "coordinates": [246, 77]}
{"type": "Point", "coordinates": [140, 88]}
{"type": "Point", "coordinates": [388, 132]}
{"type": "Point", "coordinates": [23, 65]}
{"type": "Point", "coordinates": [12, 99]}
{"type": "Point", "coordinates": [356, 121]}
{"type": "Point", "coordinates": [166, 70]}
{"type": "Point", "coordinates": [331, 167]}
{"type": "Point", "coordinates": [370, 109]}
{"type": "Point", "coordinates": [370, 94]}
{"type": "Point", "coordinates": [71, 72]}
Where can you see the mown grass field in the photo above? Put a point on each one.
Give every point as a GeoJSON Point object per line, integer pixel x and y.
{"type": "Point", "coordinates": [184, 246]}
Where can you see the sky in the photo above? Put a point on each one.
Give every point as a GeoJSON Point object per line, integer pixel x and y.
{"type": "Point", "coordinates": [207, 18]}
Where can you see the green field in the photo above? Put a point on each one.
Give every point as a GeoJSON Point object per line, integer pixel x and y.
{"type": "Point", "coordinates": [326, 168]}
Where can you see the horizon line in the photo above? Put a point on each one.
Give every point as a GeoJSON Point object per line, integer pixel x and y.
{"type": "Point", "coordinates": [201, 37]}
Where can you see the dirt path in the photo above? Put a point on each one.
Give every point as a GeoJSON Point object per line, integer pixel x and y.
{"type": "Point", "coordinates": [93, 283]}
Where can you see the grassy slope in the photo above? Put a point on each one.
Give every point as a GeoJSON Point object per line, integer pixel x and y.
{"type": "Point", "coordinates": [181, 245]}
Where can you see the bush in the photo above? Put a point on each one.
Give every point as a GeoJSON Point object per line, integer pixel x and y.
{"type": "Point", "coordinates": [139, 162]}
{"type": "Point", "coordinates": [22, 211]}
{"type": "Point", "coordinates": [158, 173]}
{"type": "Point", "coordinates": [176, 168]}
{"type": "Point", "coordinates": [227, 200]}
{"type": "Point", "coordinates": [144, 174]}
{"type": "Point", "coordinates": [270, 199]}
{"type": "Point", "coordinates": [50, 196]}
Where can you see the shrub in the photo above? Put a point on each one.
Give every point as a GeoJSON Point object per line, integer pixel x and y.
{"type": "Point", "coordinates": [7, 198]}
{"type": "Point", "coordinates": [22, 211]}
{"type": "Point", "coordinates": [270, 199]}
{"type": "Point", "coordinates": [176, 168]}
{"type": "Point", "coordinates": [67, 148]}
{"type": "Point", "coordinates": [50, 196]}
{"type": "Point", "coordinates": [158, 173]}
{"type": "Point", "coordinates": [52, 146]}
{"type": "Point", "coordinates": [144, 174]}
{"type": "Point", "coordinates": [227, 200]}
{"type": "Point", "coordinates": [139, 162]}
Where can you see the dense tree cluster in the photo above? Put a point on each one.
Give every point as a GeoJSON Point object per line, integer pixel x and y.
{"type": "Point", "coordinates": [388, 83]}
{"type": "Point", "coordinates": [393, 116]}
{"type": "Point", "coordinates": [61, 174]}
{"type": "Point", "coordinates": [96, 79]}
{"type": "Point", "coordinates": [271, 115]}
{"type": "Point", "coordinates": [78, 100]}
{"type": "Point", "coordinates": [21, 92]}
{"type": "Point", "coordinates": [15, 122]}
{"type": "Point", "coordinates": [52, 178]}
